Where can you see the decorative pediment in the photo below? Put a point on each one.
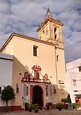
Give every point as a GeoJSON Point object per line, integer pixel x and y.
{"type": "Point", "coordinates": [36, 78]}
{"type": "Point", "coordinates": [36, 68]}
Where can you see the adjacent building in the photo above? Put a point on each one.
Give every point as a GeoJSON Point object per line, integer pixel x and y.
{"type": "Point", "coordinates": [38, 74]}
{"type": "Point", "coordinates": [6, 64]}
{"type": "Point", "coordinates": [74, 80]}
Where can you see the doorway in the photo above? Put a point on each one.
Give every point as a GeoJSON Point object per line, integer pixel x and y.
{"type": "Point", "coordinates": [37, 95]}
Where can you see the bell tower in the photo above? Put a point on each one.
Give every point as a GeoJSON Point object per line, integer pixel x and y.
{"type": "Point", "coordinates": [51, 30]}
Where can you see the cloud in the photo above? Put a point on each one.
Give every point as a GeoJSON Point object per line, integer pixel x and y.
{"type": "Point", "coordinates": [24, 17]}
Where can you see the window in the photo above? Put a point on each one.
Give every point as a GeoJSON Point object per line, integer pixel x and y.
{"type": "Point", "coordinates": [43, 31]}
{"type": "Point", "coordinates": [79, 68]}
{"type": "Point", "coordinates": [0, 90]}
{"type": "Point", "coordinates": [55, 30]}
{"type": "Point", "coordinates": [35, 50]}
{"type": "Point", "coordinates": [74, 82]}
{"type": "Point", "coordinates": [55, 34]}
{"type": "Point", "coordinates": [57, 57]}
{"type": "Point", "coordinates": [75, 90]}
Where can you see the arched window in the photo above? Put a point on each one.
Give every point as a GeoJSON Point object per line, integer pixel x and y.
{"type": "Point", "coordinates": [55, 34]}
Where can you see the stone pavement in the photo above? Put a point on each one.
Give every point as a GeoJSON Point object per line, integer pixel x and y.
{"type": "Point", "coordinates": [44, 112]}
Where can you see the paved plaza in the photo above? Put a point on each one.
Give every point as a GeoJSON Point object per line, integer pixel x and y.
{"type": "Point", "coordinates": [44, 112]}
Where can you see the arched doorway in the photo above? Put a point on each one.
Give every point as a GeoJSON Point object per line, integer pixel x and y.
{"type": "Point", "coordinates": [37, 95]}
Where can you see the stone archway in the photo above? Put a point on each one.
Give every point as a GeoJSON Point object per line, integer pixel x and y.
{"type": "Point", "coordinates": [37, 95]}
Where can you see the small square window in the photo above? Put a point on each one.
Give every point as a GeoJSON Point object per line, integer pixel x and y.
{"type": "Point", "coordinates": [79, 68]}
{"type": "Point", "coordinates": [74, 82]}
{"type": "Point", "coordinates": [35, 50]}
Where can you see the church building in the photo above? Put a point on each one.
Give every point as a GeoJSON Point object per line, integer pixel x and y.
{"type": "Point", "coordinates": [38, 70]}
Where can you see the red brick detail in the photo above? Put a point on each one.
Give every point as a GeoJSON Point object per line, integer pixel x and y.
{"type": "Point", "coordinates": [10, 108]}
{"type": "Point", "coordinates": [15, 108]}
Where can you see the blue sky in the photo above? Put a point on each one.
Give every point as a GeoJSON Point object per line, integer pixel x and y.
{"type": "Point", "coordinates": [24, 17]}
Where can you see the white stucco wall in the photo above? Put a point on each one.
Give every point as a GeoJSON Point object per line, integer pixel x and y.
{"type": "Point", "coordinates": [6, 62]}
{"type": "Point", "coordinates": [73, 74]}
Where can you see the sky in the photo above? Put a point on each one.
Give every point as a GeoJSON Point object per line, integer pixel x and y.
{"type": "Point", "coordinates": [24, 17]}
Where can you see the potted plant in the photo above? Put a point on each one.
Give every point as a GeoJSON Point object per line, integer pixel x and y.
{"type": "Point", "coordinates": [35, 107]}
{"type": "Point", "coordinates": [65, 101]}
{"type": "Point", "coordinates": [26, 106]}
{"type": "Point", "coordinates": [30, 108]}
{"type": "Point", "coordinates": [48, 105]}
{"type": "Point", "coordinates": [40, 107]}
{"type": "Point", "coordinates": [59, 106]}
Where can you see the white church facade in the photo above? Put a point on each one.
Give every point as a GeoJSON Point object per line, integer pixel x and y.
{"type": "Point", "coordinates": [38, 70]}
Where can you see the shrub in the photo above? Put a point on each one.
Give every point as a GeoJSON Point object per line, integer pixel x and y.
{"type": "Point", "coordinates": [33, 106]}
{"type": "Point", "coordinates": [75, 105]}
{"type": "Point", "coordinates": [64, 100]}
{"type": "Point", "coordinates": [59, 106]}
{"type": "Point", "coordinates": [48, 105]}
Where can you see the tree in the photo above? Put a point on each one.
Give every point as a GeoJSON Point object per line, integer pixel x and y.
{"type": "Point", "coordinates": [65, 100]}
{"type": "Point", "coordinates": [7, 94]}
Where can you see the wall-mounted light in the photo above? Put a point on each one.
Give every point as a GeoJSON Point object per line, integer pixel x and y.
{"type": "Point", "coordinates": [17, 88]}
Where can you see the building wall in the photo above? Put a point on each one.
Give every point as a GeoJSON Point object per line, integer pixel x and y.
{"type": "Point", "coordinates": [24, 60]}
{"type": "Point", "coordinates": [9, 48]}
{"type": "Point", "coordinates": [74, 79]}
{"type": "Point", "coordinates": [47, 31]}
{"type": "Point", "coordinates": [6, 63]}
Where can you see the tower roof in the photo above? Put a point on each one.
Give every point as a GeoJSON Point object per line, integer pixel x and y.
{"type": "Point", "coordinates": [48, 14]}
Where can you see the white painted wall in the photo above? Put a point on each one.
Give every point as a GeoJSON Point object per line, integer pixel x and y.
{"type": "Point", "coordinates": [73, 74]}
{"type": "Point", "coordinates": [6, 62]}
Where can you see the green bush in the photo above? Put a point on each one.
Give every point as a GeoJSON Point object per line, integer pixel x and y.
{"type": "Point", "coordinates": [75, 105]}
{"type": "Point", "coordinates": [34, 106]}
{"type": "Point", "coordinates": [64, 100]}
{"type": "Point", "coordinates": [59, 106]}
